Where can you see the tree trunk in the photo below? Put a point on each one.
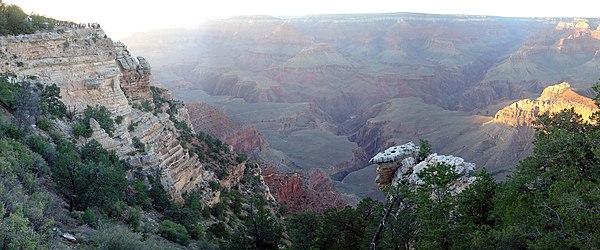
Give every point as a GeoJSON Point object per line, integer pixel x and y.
{"type": "Point", "coordinates": [388, 211]}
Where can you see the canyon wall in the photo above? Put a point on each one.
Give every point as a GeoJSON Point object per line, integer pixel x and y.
{"type": "Point", "coordinates": [92, 70]}
{"type": "Point", "coordinates": [80, 61]}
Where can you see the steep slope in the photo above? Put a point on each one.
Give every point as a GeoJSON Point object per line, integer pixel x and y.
{"type": "Point", "coordinates": [91, 71]}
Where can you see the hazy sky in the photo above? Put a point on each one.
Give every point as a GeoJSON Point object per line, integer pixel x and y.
{"type": "Point", "coordinates": [120, 18]}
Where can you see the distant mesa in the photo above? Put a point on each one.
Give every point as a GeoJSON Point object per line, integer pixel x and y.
{"type": "Point", "coordinates": [553, 99]}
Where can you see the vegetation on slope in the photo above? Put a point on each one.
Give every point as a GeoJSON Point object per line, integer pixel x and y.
{"type": "Point", "coordinates": [51, 182]}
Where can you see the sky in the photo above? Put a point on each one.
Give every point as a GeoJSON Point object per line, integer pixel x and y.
{"type": "Point", "coordinates": [121, 18]}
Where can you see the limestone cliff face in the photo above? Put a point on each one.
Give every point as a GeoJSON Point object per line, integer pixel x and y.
{"type": "Point", "coordinates": [80, 61]}
{"type": "Point", "coordinates": [398, 164]}
{"type": "Point", "coordinates": [135, 74]}
{"type": "Point", "coordinates": [91, 70]}
{"type": "Point", "coordinates": [552, 100]}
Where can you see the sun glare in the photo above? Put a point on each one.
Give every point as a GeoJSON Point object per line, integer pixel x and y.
{"type": "Point", "coordinates": [122, 18]}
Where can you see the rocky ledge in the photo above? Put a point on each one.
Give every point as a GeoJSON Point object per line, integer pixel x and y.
{"type": "Point", "coordinates": [399, 164]}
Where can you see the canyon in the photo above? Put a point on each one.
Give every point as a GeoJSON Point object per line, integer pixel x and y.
{"type": "Point", "coordinates": [324, 93]}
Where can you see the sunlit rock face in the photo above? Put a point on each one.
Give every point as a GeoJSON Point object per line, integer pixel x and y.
{"type": "Point", "coordinates": [553, 99]}
{"type": "Point", "coordinates": [399, 164]}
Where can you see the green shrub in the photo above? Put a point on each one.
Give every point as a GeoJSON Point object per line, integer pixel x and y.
{"type": "Point", "coordinates": [174, 232]}
{"type": "Point", "coordinates": [139, 195]}
{"type": "Point", "coordinates": [10, 130]}
{"type": "Point", "coordinates": [51, 102]}
{"type": "Point", "coordinates": [81, 129]}
{"type": "Point", "coordinates": [133, 217]}
{"type": "Point", "coordinates": [132, 126]}
{"type": "Point", "coordinates": [197, 232]}
{"type": "Point", "coordinates": [6, 92]}
{"type": "Point", "coordinates": [241, 158]}
{"type": "Point", "coordinates": [41, 146]}
{"type": "Point", "coordinates": [102, 115]}
{"type": "Point", "coordinates": [136, 105]}
{"type": "Point", "coordinates": [147, 106]}
{"type": "Point", "coordinates": [218, 231]}
{"type": "Point", "coordinates": [89, 217]}
{"type": "Point", "coordinates": [160, 198]}
{"type": "Point", "coordinates": [116, 237]}
{"type": "Point", "coordinates": [44, 124]}
{"type": "Point", "coordinates": [119, 119]}
{"type": "Point", "coordinates": [214, 185]}
{"type": "Point", "coordinates": [218, 210]}
{"type": "Point", "coordinates": [137, 144]}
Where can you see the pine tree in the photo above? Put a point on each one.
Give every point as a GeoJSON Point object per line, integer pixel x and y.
{"type": "Point", "coordinates": [261, 230]}
{"type": "Point", "coordinates": [27, 103]}
{"type": "Point", "coordinates": [424, 149]}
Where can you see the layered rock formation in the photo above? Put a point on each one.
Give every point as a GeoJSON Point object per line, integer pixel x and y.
{"type": "Point", "coordinates": [553, 99]}
{"type": "Point", "coordinates": [388, 161]}
{"type": "Point", "coordinates": [80, 61]}
{"type": "Point", "coordinates": [135, 74]}
{"type": "Point", "coordinates": [399, 164]}
{"type": "Point", "coordinates": [298, 193]}
{"type": "Point", "coordinates": [91, 70]}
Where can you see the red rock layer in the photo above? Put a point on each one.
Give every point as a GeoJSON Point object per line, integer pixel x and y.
{"type": "Point", "coordinates": [293, 191]}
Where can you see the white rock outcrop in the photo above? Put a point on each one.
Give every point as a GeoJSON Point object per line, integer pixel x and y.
{"type": "Point", "coordinates": [399, 164]}
{"type": "Point", "coordinates": [395, 153]}
{"type": "Point", "coordinates": [393, 158]}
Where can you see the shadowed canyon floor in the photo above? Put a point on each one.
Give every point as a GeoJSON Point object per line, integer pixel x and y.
{"type": "Point", "coordinates": [327, 92]}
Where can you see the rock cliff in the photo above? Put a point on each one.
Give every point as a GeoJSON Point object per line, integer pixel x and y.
{"type": "Point", "coordinates": [553, 99]}
{"type": "Point", "coordinates": [135, 74]}
{"type": "Point", "coordinates": [92, 70]}
{"type": "Point", "coordinates": [80, 61]}
{"type": "Point", "coordinates": [399, 164]}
